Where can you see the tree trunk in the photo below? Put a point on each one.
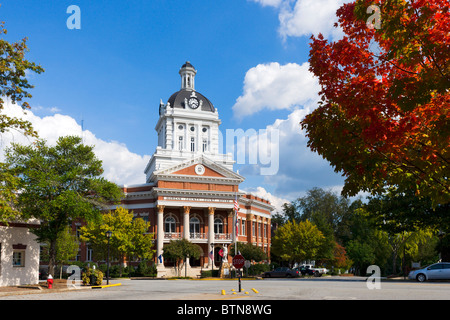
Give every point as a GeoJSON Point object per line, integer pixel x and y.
{"type": "Point", "coordinates": [394, 263]}
{"type": "Point", "coordinates": [52, 258]}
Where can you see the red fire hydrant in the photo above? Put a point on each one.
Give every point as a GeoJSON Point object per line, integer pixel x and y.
{"type": "Point", "coordinates": [50, 281]}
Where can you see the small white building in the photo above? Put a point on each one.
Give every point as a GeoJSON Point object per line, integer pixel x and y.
{"type": "Point", "coordinates": [19, 254]}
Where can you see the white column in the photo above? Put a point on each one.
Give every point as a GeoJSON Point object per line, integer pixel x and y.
{"type": "Point", "coordinates": [186, 234]}
{"type": "Point", "coordinates": [210, 233]}
{"type": "Point", "coordinates": [160, 235]}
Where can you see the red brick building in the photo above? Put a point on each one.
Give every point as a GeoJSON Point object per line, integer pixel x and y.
{"type": "Point", "coordinates": [190, 187]}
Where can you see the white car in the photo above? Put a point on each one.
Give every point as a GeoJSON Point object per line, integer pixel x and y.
{"type": "Point", "coordinates": [437, 271]}
{"type": "Point", "coordinates": [318, 272]}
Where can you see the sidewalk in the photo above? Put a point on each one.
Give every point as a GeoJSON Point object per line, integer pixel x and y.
{"type": "Point", "coordinates": [58, 286]}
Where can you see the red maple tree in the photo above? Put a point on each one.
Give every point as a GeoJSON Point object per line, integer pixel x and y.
{"type": "Point", "coordinates": [383, 120]}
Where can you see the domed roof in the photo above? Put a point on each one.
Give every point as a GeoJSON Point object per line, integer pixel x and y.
{"type": "Point", "coordinates": [179, 99]}
{"type": "Point", "coordinates": [187, 65]}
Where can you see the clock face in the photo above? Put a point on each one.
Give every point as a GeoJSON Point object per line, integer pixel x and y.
{"type": "Point", "coordinates": [199, 169]}
{"type": "Point", "coordinates": [193, 103]}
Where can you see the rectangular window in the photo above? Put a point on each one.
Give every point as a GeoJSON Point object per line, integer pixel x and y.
{"type": "Point", "coordinates": [180, 143]}
{"type": "Point", "coordinates": [192, 144]}
{"type": "Point", "coordinates": [18, 258]}
{"type": "Point", "coordinates": [265, 230]}
{"type": "Point", "coordinates": [253, 229]}
{"type": "Point", "coordinates": [89, 254]}
{"type": "Point", "coordinates": [205, 145]}
{"type": "Point", "coordinates": [243, 228]}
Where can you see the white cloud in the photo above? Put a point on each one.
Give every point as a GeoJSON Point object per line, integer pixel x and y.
{"type": "Point", "coordinates": [298, 168]}
{"type": "Point", "coordinates": [273, 86]}
{"type": "Point", "coordinates": [41, 109]}
{"type": "Point", "coordinates": [270, 3]}
{"type": "Point", "coordinates": [120, 165]}
{"type": "Point", "coordinates": [277, 202]}
{"type": "Point", "coordinates": [305, 17]}
{"type": "Point", "coordinates": [308, 17]}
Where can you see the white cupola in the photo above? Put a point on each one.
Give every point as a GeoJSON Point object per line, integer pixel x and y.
{"type": "Point", "coordinates": [187, 73]}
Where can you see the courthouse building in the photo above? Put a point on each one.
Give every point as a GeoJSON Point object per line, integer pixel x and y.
{"type": "Point", "coordinates": [191, 187]}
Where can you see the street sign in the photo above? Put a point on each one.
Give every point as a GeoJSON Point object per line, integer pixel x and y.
{"type": "Point", "coordinates": [238, 261]}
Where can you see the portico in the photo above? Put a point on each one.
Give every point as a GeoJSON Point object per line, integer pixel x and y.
{"type": "Point", "coordinates": [204, 226]}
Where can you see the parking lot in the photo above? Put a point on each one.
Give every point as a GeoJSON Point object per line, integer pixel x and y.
{"type": "Point", "coordinates": [325, 288]}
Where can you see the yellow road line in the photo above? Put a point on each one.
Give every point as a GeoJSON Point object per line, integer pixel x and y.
{"type": "Point", "coordinates": [107, 286]}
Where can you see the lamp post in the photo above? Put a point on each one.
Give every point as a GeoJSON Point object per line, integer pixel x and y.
{"type": "Point", "coordinates": [108, 236]}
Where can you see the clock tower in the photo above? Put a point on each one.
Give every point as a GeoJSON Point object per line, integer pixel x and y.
{"type": "Point", "coordinates": [188, 127]}
{"type": "Point", "coordinates": [191, 191]}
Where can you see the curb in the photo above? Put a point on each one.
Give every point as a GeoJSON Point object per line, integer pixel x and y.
{"type": "Point", "coordinates": [106, 286]}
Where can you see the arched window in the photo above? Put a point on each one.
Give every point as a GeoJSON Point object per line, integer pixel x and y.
{"type": "Point", "coordinates": [194, 225]}
{"type": "Point", "coordinates": [169, 224]}
{"type": "Point", "coordinates": [218, 226]}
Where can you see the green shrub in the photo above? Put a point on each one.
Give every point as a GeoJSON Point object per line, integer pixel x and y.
{"type": "Point", "coordinates": [145, 268]}
{"type": "Point", "coordinates": [257, 269]}
{"type": "Point", "coordinates": [209, 273]}
{"type": "Point", "coordinates": [92, 277]}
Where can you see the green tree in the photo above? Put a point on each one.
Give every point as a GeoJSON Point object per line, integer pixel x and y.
{"type": "Point", "coordinates": [57, 184]}
{"type": "Point", "coordinates": [396, 211]}
{"type": "Point", "coordinates": [66, 247]}
{"type": "Point", "coordinates": [129, 237]}
{"type": "Point", "coordinates": [407, 243]}
{"type": "Point", "coordinates": [362, 254]}
{"type": "Point", "coordinates": [296, 242]}
{"type": "Point", "coordinates": [326, 210]}
{"type": "Point", "coordinates": [14, 85]}
{"type": "Point", "coordinates": [179, 250]}
{"type": "Point", "coordinates": [366, 244]}
{"type": "Point", "coordinates": [327, 204]}
{"type": "Point", "coordinates": [249, 251]}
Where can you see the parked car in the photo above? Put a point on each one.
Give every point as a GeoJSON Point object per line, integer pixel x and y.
{"type": "Point", "coordinates": [311, 270]}
{"type": "Point", "coordinates": [436, 271]}
{"type": "Point", "coordinates": [281, 272]}
{"type": "Point", "coordinates": [305, 270]}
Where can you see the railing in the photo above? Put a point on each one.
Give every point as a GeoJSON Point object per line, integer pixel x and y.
{"type": "Point", "coordinates": [222, 236]}
{"type": "Point", "coordinates": [198, 236]}
{"type": "Point", "coordinates": [172, 235]}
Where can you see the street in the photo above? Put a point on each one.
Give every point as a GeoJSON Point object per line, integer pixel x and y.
{"type": "Point", "coordinates": [326, 288]}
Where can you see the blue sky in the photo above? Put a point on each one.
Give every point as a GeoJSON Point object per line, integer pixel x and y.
{"type": "Point", "coordinates": [251, 57]}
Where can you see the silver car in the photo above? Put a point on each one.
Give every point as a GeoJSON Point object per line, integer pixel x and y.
{"type": "Point", "coordinates": [437, 271]}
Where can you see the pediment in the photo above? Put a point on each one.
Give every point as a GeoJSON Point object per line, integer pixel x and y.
{"type": "Point", "coordinates": [195, 170]}
{"type": "Point", "coordinates": [200, 167]}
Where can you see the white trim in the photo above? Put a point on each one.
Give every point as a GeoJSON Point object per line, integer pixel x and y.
{"type": "Point", "coordinates": [175, 203]}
